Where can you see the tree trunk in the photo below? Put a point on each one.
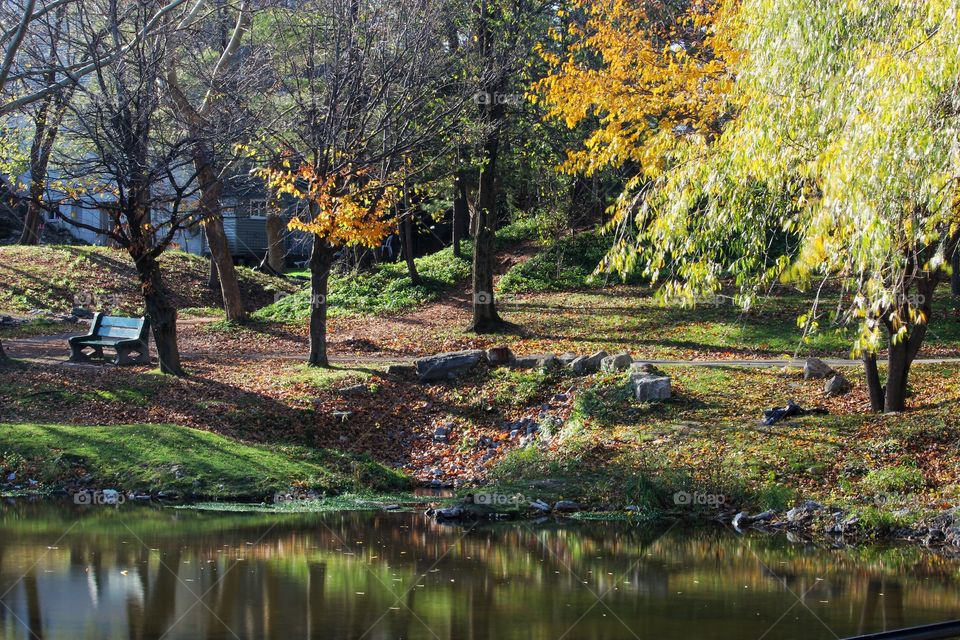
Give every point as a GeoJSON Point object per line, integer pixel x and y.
{"type": "Point", "coordinates": [211, 186]}
{"type": "Point", "coordinates": [955, 277]}
{"type": "Point", "coordinates": [485, 317]}
{"type": "Point", "coordinates": [321, 259]}
{"type": "Point", "coordinates": [406, 239]}
{"type": "Point", "coordinates": [4, 359]}
{"type": "Point", "coordinates": [213, 278]}
{"type": "Point", "coordinates": [898, 369]}
{"type": "Point", "coordinates": [461, 213]}
{"type": "Point", "coordinates": [161, 313]}
{"type": "Point", "coordinates": [275, 248]}
{"type": "Point", "coordinates": [31, 223]}
{"type": "Point", "coordinates": [876, 388]}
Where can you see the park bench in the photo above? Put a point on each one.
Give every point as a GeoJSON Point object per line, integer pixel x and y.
{"type": "Point", "coordinates": [129, 337]}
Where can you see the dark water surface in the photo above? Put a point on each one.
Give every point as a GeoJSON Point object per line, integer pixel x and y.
{"type": "Point", "coordinates": [149, 572]}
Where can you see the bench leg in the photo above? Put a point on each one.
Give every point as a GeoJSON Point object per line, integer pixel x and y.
{"type": "Point", "coordinates": [77, 353]}
{"type": "Point", "coordinates": [123, 356]}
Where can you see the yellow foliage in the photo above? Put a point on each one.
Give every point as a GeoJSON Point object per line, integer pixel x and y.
{"type": "Point", "coordinates": [653, 77]}
{"type": "Point", "coordinates": [344, 208]}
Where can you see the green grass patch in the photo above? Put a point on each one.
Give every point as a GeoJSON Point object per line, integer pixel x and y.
{"type": "Point", "coordinates": [567, 263]}
{"type": "Point", "coordinates": [323, 378]}
{"type": "Point", "coordinates": [388, 288]}
{"type": "Point", "coordinates": [896, 479]}
{"type": "Point", "coordinates": [354, 501]}
{"type": "Point", "coordinates": [189, 461]}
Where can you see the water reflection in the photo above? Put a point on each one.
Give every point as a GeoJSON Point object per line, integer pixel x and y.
{"type": "Point", "coordinates": [142, 572]}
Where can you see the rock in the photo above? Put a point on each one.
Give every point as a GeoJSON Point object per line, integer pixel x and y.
{"type": "Point", "coordinates": [82, 312]}
{"type": "Point", "coordinates": [540, 505]}
{"type": "Point", "coordinates": [587, 364]}
{"type": "Point", "coordinates": [447, 365]}
{"type": "Point", "coordinates": [354, 389]}
{"type": "Point", "coordinates": [532, 428]}
{"type": "Point", "coordinates": [579, 366]}
{"type": "Point", "coordinates": [617, 362]}
{"type": "Point", "coordinates": [567, 358]}
{"type": "Point", "coordinates": [837, 386]}
{"type": "Point", "coordinates": [649, 387]}
{"type": "Point", "coordinates": [401, 370]}
{"type": "Point", "coordinates": [441, 434]}
{"type": "Point", "coordinates": [566, 506]}
{"type": "Point", "coordinates": [804, 512]}
{"type": "Point", "coordinates": [177, 471]}
{"type": "Point", "coordinates": [817, 369]}
{"type": "Point", "coordinates": [391, 507]}
{"type": "Point", "coordinates": [448, 513]}
{"type": "Point", "coordinates": [500, 356]}
{"type": "Point", "coordinates": [631, 507]}
{"type": "Point", "coordinates": [645, 367]}
{"type": "Point", "coordinates": [743, 518]}
{"type": "Point", "coordinates": [536, 361]}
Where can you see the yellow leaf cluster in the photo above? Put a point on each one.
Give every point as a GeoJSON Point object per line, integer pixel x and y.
{"type": "Point", "coordinates": [344, 208]}
{"type": "Point", "coordinates": [652, 76]}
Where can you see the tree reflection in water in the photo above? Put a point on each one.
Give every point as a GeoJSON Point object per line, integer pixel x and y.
{"type": "Point", "coordinates": [143, 572]}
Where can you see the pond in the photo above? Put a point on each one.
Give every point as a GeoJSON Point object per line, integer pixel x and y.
{"type": "Point", "coordinates": [151, 572]}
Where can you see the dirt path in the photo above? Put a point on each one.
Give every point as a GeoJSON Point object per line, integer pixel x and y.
{"type": "Point", "coordinates": [53, 349]}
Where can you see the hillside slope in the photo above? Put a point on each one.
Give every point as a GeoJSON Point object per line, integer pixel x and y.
{"type": "Point", "coordinates": [54, 279]}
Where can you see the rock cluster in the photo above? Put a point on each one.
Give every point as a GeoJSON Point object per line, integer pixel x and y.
{"type": "Point", "coordinates": [448, 366]}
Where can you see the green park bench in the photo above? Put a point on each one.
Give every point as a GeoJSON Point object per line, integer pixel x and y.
{"type": "Point", "coordinates": [126, 336]}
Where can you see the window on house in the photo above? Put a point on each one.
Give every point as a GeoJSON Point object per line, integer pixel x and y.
{"type": "Point", "coordinates": [258, 209]}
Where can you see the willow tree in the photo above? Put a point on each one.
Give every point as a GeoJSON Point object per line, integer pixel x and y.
{"type": "Point", "coordinates": [842, 140]}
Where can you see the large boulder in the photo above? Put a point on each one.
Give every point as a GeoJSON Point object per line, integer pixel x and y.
{"type": "Point", "coordinates": [617, 362]}
{"type": "Point", "coordinates": [587, 364]}
{"type": "Point", "coordinates": [650, 385]}
{"type": "Point", "coordinates": [567, 358]}
{"type": "Point", "coordinates": [838, 385]}
{"type": "Point", "coordinates": [445, 366]}
{"type": "Point", "coordinates": [817, 369]}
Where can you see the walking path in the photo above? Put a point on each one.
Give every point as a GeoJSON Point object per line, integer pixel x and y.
{"type": "Point", "coordinates": [53, 350]}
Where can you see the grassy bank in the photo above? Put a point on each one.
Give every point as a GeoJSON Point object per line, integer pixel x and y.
{"type": "Point", "coordinates": [887, 470]}
{"type": "Point", "coordinates": [388, 288]}
{"type": "Point", "coordinates": [175, 459]}
{"type": "Point", "coordinates": [54, 279]}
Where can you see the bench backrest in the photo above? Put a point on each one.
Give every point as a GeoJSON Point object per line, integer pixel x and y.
{"type": "Point", "coordinates": [119, 327]}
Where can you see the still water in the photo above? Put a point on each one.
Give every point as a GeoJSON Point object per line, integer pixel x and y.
{"type": "Point", "coordinates": [150, 572]}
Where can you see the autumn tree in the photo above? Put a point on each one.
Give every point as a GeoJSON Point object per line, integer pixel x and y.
{"type": "Point", "coordinates": [363, 87]}
{"type": "Point", "coordinates": [127, 161]}
{"type": "Point", "coordinates": [838, 135]}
